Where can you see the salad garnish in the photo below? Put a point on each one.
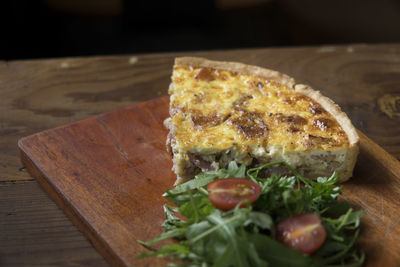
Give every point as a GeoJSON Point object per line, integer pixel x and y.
{"type": "Point", "coordinates": [234, 217]}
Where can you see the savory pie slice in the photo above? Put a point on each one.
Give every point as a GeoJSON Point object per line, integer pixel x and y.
{"type": "Point", "coordinates": [224, 111]}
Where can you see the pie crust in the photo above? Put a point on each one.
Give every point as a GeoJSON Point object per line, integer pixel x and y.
{"type": "Point", "coordinates": [351, 150]}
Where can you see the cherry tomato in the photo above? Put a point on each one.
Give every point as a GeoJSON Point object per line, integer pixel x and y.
{"type": "Point", "coordinates": [303, 232]}
{"type": "Point", "coordinates": [226, 193]}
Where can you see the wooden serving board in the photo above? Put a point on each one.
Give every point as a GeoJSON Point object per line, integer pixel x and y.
{"type": "Point", "coordinates": [108, 173]}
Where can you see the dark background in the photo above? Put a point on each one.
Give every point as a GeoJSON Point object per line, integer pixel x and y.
{"type": "Point", "coordinates": [64, 28]}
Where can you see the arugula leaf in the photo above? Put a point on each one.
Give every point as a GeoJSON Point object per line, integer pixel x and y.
{"type": "Point", "coordinates": [260, 219]}
{"type": "Point", "coordinates": [165, 235]}
{"type": "Point", "coordinates": [177, 250]}
{"type": "Point", "coordinates": [235, 171]}
{"type": "Point", "coordinates": [277, 254]}
{"type": "Point", "coordinates": [197, 207]}
{"type": "Point", "coordinates": [171, 220]}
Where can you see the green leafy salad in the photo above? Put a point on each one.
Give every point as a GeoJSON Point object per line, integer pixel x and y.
{"type": "Point", "coordinates": [232, 217]}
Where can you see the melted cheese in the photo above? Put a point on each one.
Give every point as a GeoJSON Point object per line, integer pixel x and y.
{"type": "Point", "coordinates": [214, 110]}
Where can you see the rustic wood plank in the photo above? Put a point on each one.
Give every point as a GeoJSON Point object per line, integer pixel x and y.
{"type": "Point", "coordinates": [35, 232]}
{"type": "Point", "coordinates": [108, 174]}
{"type": "Point", "coordinates": [41, 94]}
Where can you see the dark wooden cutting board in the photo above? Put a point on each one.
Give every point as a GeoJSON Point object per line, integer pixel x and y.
{"type": "Point", "coordinates": [108, 173]}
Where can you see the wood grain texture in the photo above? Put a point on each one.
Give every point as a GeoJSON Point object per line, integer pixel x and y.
{"type": "Point", "coordinates": [35, 232]}
{"type": "Point", "coordinates": [36, 95]}
{"type": "Point", "coordinates": [375, 188]}
{"type": "Point", "coordinates": [108, 173]}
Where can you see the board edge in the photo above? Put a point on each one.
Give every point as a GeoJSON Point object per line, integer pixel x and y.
{"type": "Point", "coordinates": [98, 243]}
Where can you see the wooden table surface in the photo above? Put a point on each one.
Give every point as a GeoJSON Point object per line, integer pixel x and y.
{"type": "Point", "coordinates": [40, 94]}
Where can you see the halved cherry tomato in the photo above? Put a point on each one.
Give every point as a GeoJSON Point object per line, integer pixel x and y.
{"type": "Point", "coordinates": [303, 232]}
{"type": "Point", "coordinates": [226, 193]}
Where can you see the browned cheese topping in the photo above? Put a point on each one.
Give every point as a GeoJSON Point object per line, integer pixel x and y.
{"type": "Point", "coordinates": [221, 109]}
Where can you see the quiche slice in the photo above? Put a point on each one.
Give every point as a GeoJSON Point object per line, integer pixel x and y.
{"type": "Point", "coordinates": [225, 111]}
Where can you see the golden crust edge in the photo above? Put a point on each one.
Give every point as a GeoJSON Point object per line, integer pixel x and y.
{"type": "Point", "coordinates": [281, 78]}
{"type": "Point", "coordinates": [237, 67]}
{"type": "Point", "coordinates": [344, 122]}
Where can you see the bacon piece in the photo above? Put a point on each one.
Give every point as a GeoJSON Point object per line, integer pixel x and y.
{"type": "Point", "coordinates": [323, 123]}
{"type": "Point", "coordinates": [316, 108]}
{"type": "Point", "coordinates": [294, 120]}
{"type": "Point", "coordinates": [250, 124]}
{"type": "Point", "coordinates": [200, 121]}
{"type": "Point", "coordinates": [205, 74]}
{"type": "Point", "coordinates": [197, 161]}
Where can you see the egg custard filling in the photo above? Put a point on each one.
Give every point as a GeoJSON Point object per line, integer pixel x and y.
{"type": "Point", "coordinates": [224, 111]}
